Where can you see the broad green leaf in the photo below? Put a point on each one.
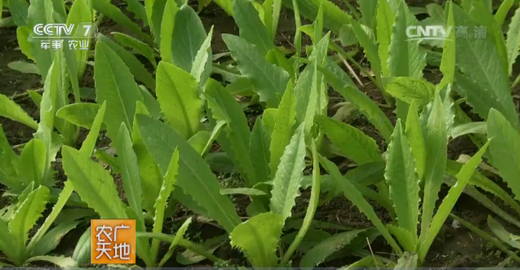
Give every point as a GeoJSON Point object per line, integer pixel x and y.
{"type": "Point", "coordinates": [115, 85]}
{"type": "Point", "coordinates": [79, 13]}
{"type": "Point", "coordinates": [402, 180]}
{"type": "Point", "coordinates": [201, 68]}
{"type": "Point", "coordinates": [167, 27]}
{"type": "Point", "coordinates": [162, 199]}
{"type": "Point", "coordinates": [31, 167]}
{"type": "Point", "coordinates": [129, 171]}
{"type": "Point", "coordinates": [505, 150]}
{"type": "Point", "coordinates": [89, 143]}
{"type": "Point", "coordinates": [368, 10]}
{"type": "Point", "coordinates": [288, 177]}
{"type": "Point", "coordinates": [362, 102]}
{"type": "Point", "coordinates": [24, 67]}
{"type": "Point", "coordinates": [327, 247]}
{"type": "Point", "coordinates": [385, 18]}
{"type": "Point", "coordinates": [22, 36]}
{"type": "Point", "coordinates": [406, 59]}
{"type": "Point", "coordinates": [82, 250]}
{"type": "Point", "coordinates": [308, 90]}
{"type": "Point", "coordinates": [94, 185]}
{"type": "Point", "coordinates": [463, 177]}
{"type": "Point", "coordinates": [135, 66]}
{"type": "Point", "coordinates": [19, 11]}
{"type": "Point", "coordinates": [9, 109]}
{"type": "Point", "coordinates": [408, 89]}
{"type": "Point", "coordinates": [513, 40]}
{"type": "Point", "coordinates": [258, 238]}
{"type": "Point", "coordinates": [6, 240]}
{"type": "Point", "coordinates": [448, 52]}
{"type": "Point", "coordinates": [369, 45]}
{"type": "Point", "coordinates": [269, 81]}
{"type": "Point", "coordinates": [356, 197]}
{"type": "Point", "coordinates": [436, 141]}
{"type": "Point", "coordinates": [485, 82]}
{"type": "Point", "coordinates": [251, 27]}
{"type": "Point", "coordinates": [79, 114]}
{"type": "Point", "coordinates": [195, 177]}
{"type": "Point", "coordinates": [183, 49]}
{"type": "Point", "coordinates": [414, 134]}
{"type": "Point", "coordinates": [40, 12]}
{"type": "Point", "coordinates": [350, 141]}
{"type": "Point", "coordinates": [138, 9]}
{"type": "Point", "coordinates": [199, 141]}
{"type": "Point", "coordinates": [114, 13]}
{"type": "Point", "coordinates": [284, 121]}
{"type": "Point", "coordinates": [151, 176]}
{"type": "Point", "coordinates": [469, 128]}
{"type": "Point", "coordinates": [141, 47]}
{"type": "Point", "coordinates": [155, 11]}
{"type": "Point", "coordinates": [225, 108]}
{"type": "Point", "coordinates": [25, 218]}
{"type": "Point", "coordinates": [178, 95]}
{"type": "Point", "coordinates": [259, 151]}
{"type": "Point", "coordinates": [484, 18]}
{"type": "Point", "coordinates": [407, 261]}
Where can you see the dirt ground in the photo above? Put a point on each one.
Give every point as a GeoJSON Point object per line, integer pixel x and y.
{"type": "Point", "coordinates": [454, 247]}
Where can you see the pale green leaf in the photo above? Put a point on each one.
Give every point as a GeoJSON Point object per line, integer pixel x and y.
{"type": "Point", "coordinates": [141, 47]}
{"type": "Point", "coordinates": [243, 191]}
{"type": "Point", "coordinates": [356, 197]}
{"type": "Point", "coordinates": [269, 81]}
{"type": "Point", "coordinates": [31, 167]}
{"type": "Point", "coordinates": [8, 163]}
{"type": "Point", "coordinates": [225, 108]}
{"type": "Point", "coordinates": [188, 37]}
{"type": "Point", "coordinates": [407, 261]}
{"type": "Point", "coordinates": [288, 177]}
{"type": "Point", "coordinates": [19, 11]}
{"type": "Point", "coordinates": [405, 237]}
{"type": "Point", "coordinates": [115, 85]}
{"type": "Point", "coordinates": [414, 134]}
{"type": "Point", "coordinates": [327, 247]}
{"type": "Point", "coordinates": [166, 30]}
{"type": "Point", "coordinates": [24, 67]}
{"type": "Point", "coordinates": [176, 240]}
{"type": "Point", "coordinates": [448, 52]}
{"type": "Point", "coordinates": [259, 151]}
{"type": "Point", "coordinates": [369, 45]}
{"type": "Point", "coordinates": [64, 262]}
{"type": "Point", "coordinates": [9, 109]}
{"type": "Point", "coordinates": [201, 68]}
{"type": "Point", "coordinates": [258, 238]}
{"type": "Point", "coordinates": [79, 114]}
{"type": "Point", "coordinates": [368, 10]}
{"type": "Point", "coordinates": [502, 11]}
{"type": "Point", "coordinates": [284, 120]}
{"type": "Point", "coordinates": [350, 141]}
{"type": "Point", "coordinates": [195, 177]}
{"type": "Point", "coordinates": [89, 143]}
{"type": "Point", "coordinates": [463, 177]}
{"type": "Point", "coordinates": [408, 89]}
{"type": "Point", "coordinates": [513, 40]}
{"type": "Point", "coordinates": [385, 18]}
{"type": "Point", "coordinates": [436, 140]}
{"type": "Point", "coordinates": [251, 27]}
{"type": "Point", "coordinates": [402, 180]}
{"type": "Point", "coordinates": [52, 239]}
{"type": "Point", "coordinates": [505, 150]}
{"type": "Point", "coordinates": [135, 66]}
{"type": "Point", "coordinates": [94, 185]}
{"type": "Point", "coordinates": [501, 232]}
{"type": "Point", "coordinates": [178, 95]}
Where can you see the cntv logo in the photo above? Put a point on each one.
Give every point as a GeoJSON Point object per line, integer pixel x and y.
{"type": "Point", "coordinates": [62, 29]}
{"type": "Point", "coordinates": [428, 32]}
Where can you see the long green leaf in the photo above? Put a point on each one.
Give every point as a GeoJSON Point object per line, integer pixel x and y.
{"type": "Point", "coordinates": [94, 185]}
{"type": "Point", "coordinates": [408, 89]}
{"type": "Point", "coordinates": [404, 184]}
{"type": "Point", "coordinates": [79, 114]}
{"type": "Point", "coordinates": [355, 196]}
{"type": "Point", "coordinates": [9, 109]}
{"type": "Point", "coordinates": [414, 134]}
{"type": "Point", "coordinates": [162, 199]}
{"type": "Point", "coordinates": [351, 142]}
{"type": "Point", "coordinates": [269, 81]}
{"type": "Point", "coordinates": [505, 150]}
{"type": "Point", "coordinates": [288, 177]}
{"type": "Point", "coordinates": [258, 238]}
{"type": "Point", "coordinates": [89, 143]}
{"type": "Point", "coordinates": [327, 247]}
{"type": "Point", "coordinates": [448, 52]}
{"type": "Point", "coordinates": [115, 85]}
{"type": "Point", "coordinates": [463, 177]}
{"type": "Point", "coordinates": [178, 95]}
{"type": "Point", "coordinates": [259, 150]}
{"type": "Point", "coordinates": [385, 18]}
{"type": "Point", "coordinates": [225, 108]}
{"type": "Point", "coordinates": [436, 154]}
{"type": "Point", "coordinates": [195, 177]}
{"type": "Point", "coordinates": [141, 47]}
{"type": "Point", "coordinates": [31, 168]}
{"type": "Point", "coordinates": [513, 40]}
{"type": "Point", "coordinates": [251, 27]}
